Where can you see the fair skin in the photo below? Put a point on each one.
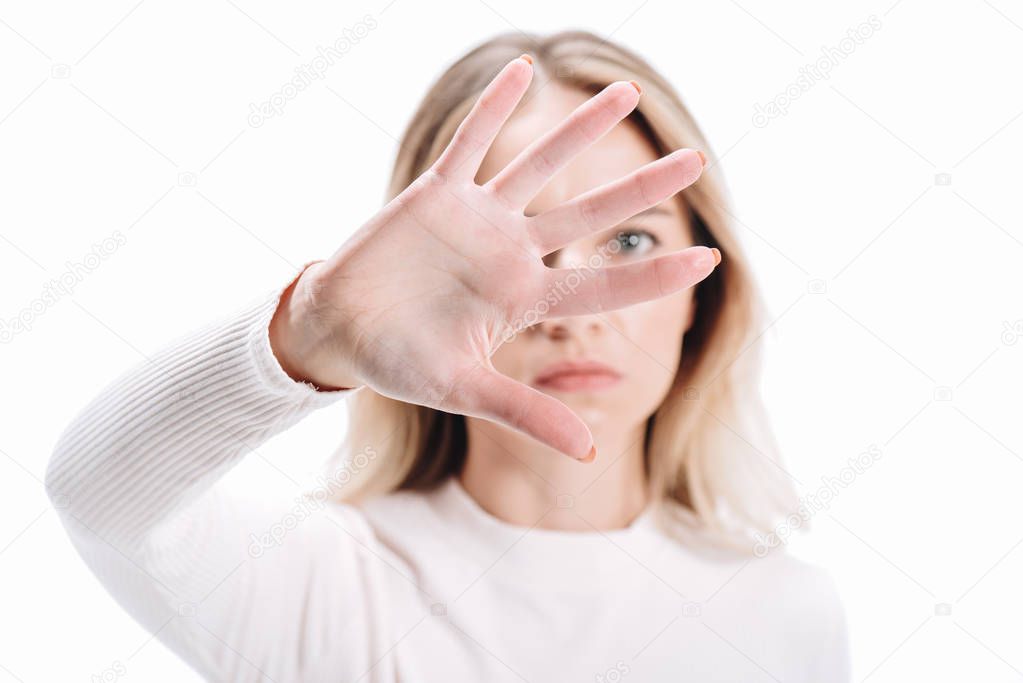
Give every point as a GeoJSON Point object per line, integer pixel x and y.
{"type": "Point", "coordinates": [488, 232]}
{"type": "Point", "coordinates": [517, 478]}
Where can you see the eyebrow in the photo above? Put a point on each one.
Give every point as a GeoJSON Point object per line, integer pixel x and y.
{"type": "Point", "coordinates": [653, 210]}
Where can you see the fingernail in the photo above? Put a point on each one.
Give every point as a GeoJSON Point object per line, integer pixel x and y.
{"type": "Point", "coordinates": [636, 86]}
{"type": "Point", "coordinates": [703, 157]}
{"type": "Point", "coordinates": [527, 58]}
{"type": "Point", "coordinates": [590, 456]}
{"type": "Point", "coordinates": [717, 255]}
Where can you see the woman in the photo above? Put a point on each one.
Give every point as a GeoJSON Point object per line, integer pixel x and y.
{"type": "Point", "coordinates": [547, 474]}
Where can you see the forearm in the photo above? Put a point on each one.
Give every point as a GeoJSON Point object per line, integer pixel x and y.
{"type": "Point", "coordinates": [171, 426]}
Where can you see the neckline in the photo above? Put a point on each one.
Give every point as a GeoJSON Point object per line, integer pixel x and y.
{"type": "Point", "coordinates": [564, 557]}
{"type": "Point", "coordinates": [458, 493]}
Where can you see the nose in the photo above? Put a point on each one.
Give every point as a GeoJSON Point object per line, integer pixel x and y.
{"type": "Point", "coordinates": [576, 326]}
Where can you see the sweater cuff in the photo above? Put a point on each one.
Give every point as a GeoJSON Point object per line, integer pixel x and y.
{"type": "Point", "coordinates": [265, 362]}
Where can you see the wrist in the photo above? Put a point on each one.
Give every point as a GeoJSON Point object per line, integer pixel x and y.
{"type": "Point", "coordinates": [293, 342]}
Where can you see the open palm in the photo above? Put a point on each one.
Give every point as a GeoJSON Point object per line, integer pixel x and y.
{"type": "Point", "coordinates": [417, 300]}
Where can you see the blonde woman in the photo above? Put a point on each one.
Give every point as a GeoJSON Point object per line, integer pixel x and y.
{"type": "Point", "coordinates": [557, 466]}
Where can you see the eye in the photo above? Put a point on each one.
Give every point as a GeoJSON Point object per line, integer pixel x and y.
{"type": "Point", "coordinates": [636, 241]}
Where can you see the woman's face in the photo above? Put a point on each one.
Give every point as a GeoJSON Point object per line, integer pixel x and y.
{"type": "Point", "coordinates": [640, 345]}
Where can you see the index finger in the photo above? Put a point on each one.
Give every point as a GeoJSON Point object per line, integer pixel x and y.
{"type": "Point", "coordinates": [476, 132]}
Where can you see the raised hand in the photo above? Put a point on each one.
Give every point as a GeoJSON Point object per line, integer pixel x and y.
{"type": "Point", "coordinates": [417, 300]}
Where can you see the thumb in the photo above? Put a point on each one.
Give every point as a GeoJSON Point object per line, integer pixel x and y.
{"type": "Point", "coordinates": [498, 398]}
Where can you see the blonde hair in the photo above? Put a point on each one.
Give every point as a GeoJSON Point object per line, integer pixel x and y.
{"type": "Point", "coordinates": [699, 447]}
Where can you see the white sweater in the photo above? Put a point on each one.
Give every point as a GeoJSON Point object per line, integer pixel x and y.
{"type": "Point", "coordinates": [409, 587]}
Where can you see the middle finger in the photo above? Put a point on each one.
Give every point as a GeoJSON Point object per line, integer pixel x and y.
{"type": "Point", "coordinates": [529, 171]}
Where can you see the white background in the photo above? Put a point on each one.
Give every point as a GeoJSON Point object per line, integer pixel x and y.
{"type": "Point", "coordinates": [132, 117]}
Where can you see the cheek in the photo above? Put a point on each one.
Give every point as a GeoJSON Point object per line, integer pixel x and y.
{"type": "Point", "coordinates": [657, 328]}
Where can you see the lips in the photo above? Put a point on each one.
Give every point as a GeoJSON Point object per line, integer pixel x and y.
{"type": "Point", "coordinates": [581, 375]}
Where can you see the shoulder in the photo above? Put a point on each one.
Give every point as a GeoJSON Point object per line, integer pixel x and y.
{"type": "Point", "coordinates": [779, 588]}
{"type": "Point", "coordinates": [807, 597]}
{"type": "Point", "coordinates": [817, 595]}
{"type": "Point", "coordinates": [777, 571]}
{"type": "Point", "coordinates": [402, 514]}
{"type": "Point", "coordinates": [777, 575]}
{"type": "Point", "coordinates": [790, 570]}
{"type": "Point", "coordinates": [796, 604]}
{"type": "Point", "coordinates": [787, 585]}
{"type": "Point", "coordinates": [780, 608]}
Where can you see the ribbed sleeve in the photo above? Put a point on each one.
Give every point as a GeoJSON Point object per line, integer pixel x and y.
{"type": "Point", "coordinates": [167, 429]}
{"type": "Point", "coordinates": [135, 475]}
